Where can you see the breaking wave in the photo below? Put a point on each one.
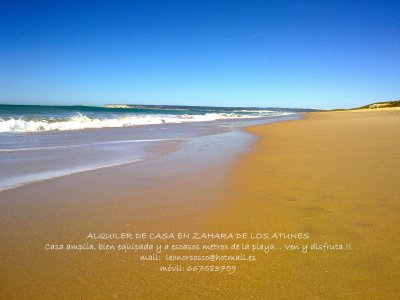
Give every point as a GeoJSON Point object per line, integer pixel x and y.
{"type": "Point", "coordinates": [80, 121]}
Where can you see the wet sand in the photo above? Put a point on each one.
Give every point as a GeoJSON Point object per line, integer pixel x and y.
{"type": "Point", "coordinates": [333, 175]}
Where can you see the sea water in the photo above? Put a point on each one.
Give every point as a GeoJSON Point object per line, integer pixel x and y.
{"type": "Point", "coordinates": [43, 142]}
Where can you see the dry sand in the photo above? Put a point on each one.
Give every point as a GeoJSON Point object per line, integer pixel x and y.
{"type": "Point", "coordinates": [333, 175]}
{"type": "Point", "coordinates": [336, 176]}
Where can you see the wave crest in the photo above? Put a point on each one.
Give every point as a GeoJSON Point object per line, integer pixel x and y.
{"type": "Point", "coordinates": [80, 121]}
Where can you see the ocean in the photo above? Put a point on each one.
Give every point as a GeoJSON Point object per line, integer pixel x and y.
{"type": "Point", "coordinates": [43, 142]}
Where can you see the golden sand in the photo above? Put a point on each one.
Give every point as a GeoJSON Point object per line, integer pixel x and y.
{"type": "Point", "coordinates": [336, 176]}
{"type": "Point", "coordinates": [332, 175]}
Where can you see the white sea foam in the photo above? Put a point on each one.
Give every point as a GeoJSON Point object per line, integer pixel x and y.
{"type": "Point", "coordinates": [80, 121]}
{"type": "Point", "coordinates": [259, 111]}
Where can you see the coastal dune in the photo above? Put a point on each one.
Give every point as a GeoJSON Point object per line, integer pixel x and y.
{"type": "Point", "coordinates": [332, 176]}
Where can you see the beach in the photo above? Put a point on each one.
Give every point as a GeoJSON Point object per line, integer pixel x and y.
{"type": "Point", "coordinates": [334, 175]}
{"type": "Point", "coordinates": [331, 176]}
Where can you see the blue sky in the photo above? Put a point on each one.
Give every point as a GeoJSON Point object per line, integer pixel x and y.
{"type": "Point", "coordinates": [320, 54]}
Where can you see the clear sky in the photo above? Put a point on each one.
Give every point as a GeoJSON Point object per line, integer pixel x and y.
{"type": "Point", "coordinates": [320, 54]}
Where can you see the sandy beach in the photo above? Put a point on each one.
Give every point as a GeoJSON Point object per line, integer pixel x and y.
{"type": "Point", "coordinates": [332, 175]}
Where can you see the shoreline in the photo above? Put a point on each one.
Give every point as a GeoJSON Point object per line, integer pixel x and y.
{"type": "Point", "coordinates": [94, 149]}
{"type": "Point", "coordinates": [325, 175]}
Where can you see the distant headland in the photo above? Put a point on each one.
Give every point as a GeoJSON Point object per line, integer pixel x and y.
{"type": "Point", "coordinates": [386, 104]}
{"type": "Point", "coordinates": [116, 106]}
